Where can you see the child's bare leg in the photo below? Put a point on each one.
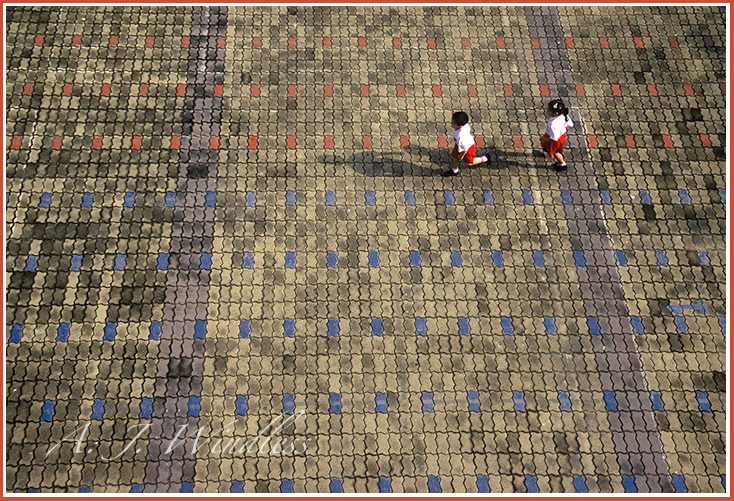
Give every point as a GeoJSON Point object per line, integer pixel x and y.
{"type": "Point", "coordinates": [454, 164]}
{"type": "Point", "coordinates": [558, 156]}
{"type": "Point", "coordinates": [476, 160]}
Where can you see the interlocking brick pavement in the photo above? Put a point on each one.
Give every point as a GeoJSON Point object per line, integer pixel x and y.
{"type": "Point", "coordinates": [232, 264]}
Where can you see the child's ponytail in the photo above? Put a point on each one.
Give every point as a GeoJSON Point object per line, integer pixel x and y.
{"type": "Point", "coordinates": [559, 107]}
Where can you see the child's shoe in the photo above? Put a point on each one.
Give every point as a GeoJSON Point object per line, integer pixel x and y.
{"type": "Point", "coordinates": [449, 173]}
{"type": "Point", "coordinates": [559, 167]}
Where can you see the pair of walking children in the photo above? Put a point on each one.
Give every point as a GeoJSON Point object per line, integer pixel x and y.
{"type": "Point", "coordinates": [552, 140]}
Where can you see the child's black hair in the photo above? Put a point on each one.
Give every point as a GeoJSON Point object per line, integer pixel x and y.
{"type": "Point", "coordinates": [559, 107]}
{"type": "Point", "coordinates": [460, 118]}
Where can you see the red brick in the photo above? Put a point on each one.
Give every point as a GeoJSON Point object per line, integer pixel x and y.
{"type": "Point", "coordinates": [38, 41]}
{"type": "Point", "coordinates": [367, 142]}
{"type": "Point", "coordinates": [149, 41]}
{"type": "Point", "coordinates": [569, 43]}
{"type": "Point", "coordinates": [517, 141]}
{"type": "Point", "coordinates": [76, 41]}
{"type": "Point", "coordinates": [591, 138]}
{"type": "Point", "coordinates": [252, 143]}
{"type": "Point", "coordinates": [630, 140]}
{"type": "Point", "coordinates": [705, 140]}
{"type": "Point", "coordinates": [673, 41]}
{"type": "Point", "coordinates": [175, 142]}
{"type": "Point", "coordinates": [214, 142]}
{"type": "Point", "coordinates": [97, 142]}
{"type": "Point", "coordinates": [328, 90]}
{"type": "Point", "coordinates": [616, 90]}
{"type": "Point", "coordinates": [255, 90]}
{"type": "Point", "coordinates": [404, 141]}
{"type": "Point", "coordinates": [221, 42]}
{"type": "Point", "coordinates": [535, 43]}
{"type": "Point", "coordinates": [442, 141]}
{"type": "Point", "coordinates": [28, 89]}
{"type": "Point", "coordinates": [106, 89]}
{"type": "Point", "coordinates": [667, 141]}
{"type": "Point", "coordinates": [401, 90]}
{"type": "Point", "coordinates": [431, 43]}
{"type": "Point", "coordinates": [580, 90]}
{"type": "Point", "coordinates": [327, 43]}
{"type": "Point", "coordinates": [329, 142]}
{"type": "Point", "coordinates": [436, 91]}
{"type": "Point", "coordinates": [15, 142]}
{"type": "Point", "coordinates": [722, 87]}
{"type": "Point", "coordinates": [544, 90]}
{"type": "Point", "coordinates": [364, 90]}
{"type": "Point", "coordinates": [362, 42]}
{"type": "Point", "coordinates": [465, 44]}
{"type": "Point", "coordinates": [137, 142]}
{"type": "Point", "coordinates": [472, 91]}
{"type": "Point", "coordinates": [185, 41]}
{"type": "Point", "coordinates": [114, 39]}
{"type": "Point", "coordinates": [57, 143]}
{"type": "Point", "coordinates": [218, 90]}
{"type": "Point", "coordinates": [143, 90]}
{"type": "Point", "coordinates": [500, 43]}
{"type": "Point", "coordinates": [652, 89]}
{"type": "Point", "coordinates": [257, 43]}
{"type": "Point", "coordinates": [479, 139]}
{"type": "Point", "coordinates": [292, 92]}
{"type": "Point", "coordinates": [508, 90]}
{"type": "Point", "coordinates": [292, 42]}
{"type": "Point", "coordinates": [604, 42]}
{"type": "Point", "coordinates": [639, 43]}
{"type": "Point", "coordinates": [397, 43]}
{"type": "Point", "coordinates": [181, 90]}
{"type": "Point", "coordinates": [688, 88]}
{"type": "Point", "coordinates": [68, 89]}
{"type": "Point", "coordinates": [291, 142]}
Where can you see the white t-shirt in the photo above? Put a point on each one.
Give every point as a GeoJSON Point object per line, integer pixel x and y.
{"type": "Point", "coordinates": [463, 138]}
{"type": "Point", "coordinates": [557, 126]}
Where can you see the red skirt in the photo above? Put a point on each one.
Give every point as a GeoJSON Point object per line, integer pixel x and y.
{"type": "Point", "coordinates": [552, 147]}
{"type": "Point", "coordinates": [470, 154]}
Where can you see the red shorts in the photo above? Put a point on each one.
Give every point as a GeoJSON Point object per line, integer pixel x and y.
{"type": "Point", "coordinates": [552, 147]}
{"type": "Point", "coordinates": [470, 154]}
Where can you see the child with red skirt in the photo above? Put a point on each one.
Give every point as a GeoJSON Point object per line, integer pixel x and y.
{"type": "Point", "coordinates": [555, 132]}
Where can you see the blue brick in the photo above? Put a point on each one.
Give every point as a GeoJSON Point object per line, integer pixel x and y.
{"type": "Point", "coordinates": [662, 257]}
{"type": "Point", "coordinates": [335, 403]}
{"type": "Point", "coordinates": [332, 327]}
{"type": "Point", "coordinates": [637, 325]}
{"type": "Point", "coordinates": [332, 259]}
{"type": "Point", "coordinates": [518, 399]}
{"type": "Point", "coordinates": [420, 326]}
{"type": "Point", "coordinates": [550, 325]}
{"type": "Point", "coordinates": [7, 198]}
{"type": "Point", "coordinates": [679, 483]}
{"type": "Point", "coordinates": [76, 263]}
{"type": "Point", "coordinates": [456, 259]}
{"type": "Point", "coordinates": [723, 481]}
{"type": "Point", "coordinates": [703, 258]}
{"type": "Point", "coordinates": [45, 202]}
{"type": "Point", "coordinates": [685, 197]}
{"type": "Point", "coordinates": [120, 262]}
{"type": "Point", "coordinates": [98, 410]}
{"type": "Point", "coordinates": [610, 401]}
{"type": "Point", "coordinates": [31, 263]}
{"type": "Point", "coordinates": [579, 257]}
{"type": "Point", "coordinates": [722, 195]}
{"type": "Point", "coordinates": [155, 330]}
{"type": "Point", "coordinates": [205, 262]}
{"type": "Point", "coordinates": [129, 199]}
{"type": "Point", "coordinates": [593, 324]}
{"type": "Point", "coordinates": [330, 198]}
{"type": "Point", "coordinates": [335, 485]}
{"type": "Point", "coordinates": [289, 327]}
{"type": "Point", "coordinates": [237, 487]}
{"type": "Point", "coordinates": [564, 401]}
{"type": "Point", "coordinates": [566, 197]}
{"type": "Point", "coordinates": [427, 401]}
{"type": "Point", "coordinates": [33, 490]}
{"type": "Point", "coordinates": [146, 408]}
{"type": "Point", "coordinates": [606, 197]}
{"type": "Point", "coordinates": [290, 259]}
{"type": "Point", "coordinates": [376, 326]}
{"type": "Point", "coordinates": [381, 402]}
{"type": "Point", "coordinates": [434, 484]}
{"type": "Point", "coordinates": [483, 484]}
{"type": "Point", "coordinates": [210, 199]}
{"type": "Point", "coordinates": [62, 333]}
{"type": "Point", "coordinates": [385, 485]}
{"type": "Point", "coordinates": [110, 331]}
{"type": "Point", "coordinates": [250, 199]}
{"type": "Point", "coordinates": [200, 329]}
{"type": "Point", "coordinates": [240, 405]}
{"type": "Point", "coordinates": [527, 197]}
{"type": "Point", "coordinates": [488, 197]}
{"type": "Point", "coordinates": [409, 197]}
{"type": "Point", "coordinates": [170, 199]}
{"type": "Point", "coordinates": [722, 325]}
{"type": "Point", "coordinates": [47, 411]}
{"type": "Point", "coordinates": [286, 486]}
{"type": "Point", "coordinates": [464, 328]}
{"type": "Point", "coordinates": [507, 327]}
{"type": "Point", "coordinates": [645, 197]}
{"type": "Point", "coordinates": [136, 489]}
{"type": "Point", "coordinates": [85, 489]}
{"type": "Point", "coordinates": [628, 483]}
{"type": "Point", "coordinates": [289, 403]}
{"type": "Point", "coordinates": [194, 406]}
{"type": "Point", "coordinates": [248, 260]}
{"type": "Point", "coordinates": [531, 483]}
{"type": "Point", "coordinates": [415, 258]}
{"type": "Point", "coordinates": [497, 258]}
{"type": "Point", "coordinates": [87, 199]}
{"type": "Point", "coordinates": [187, 487]}
{"type": "Point", "coordinates": [702, 398]}
{"type": "Point", "coordinates": [374, 259]}
{"type": "Point", "coordinates": [621, 257]}
{"type": "Point", "coordinates": [473, 398]}
{"type": "Point", "coordinates": [448, 197]}
{"type": "Point", "coordinates": [290, 197]}
{"type": "Point", "coordinates": [369, 197]}
{"type": "Point", "coordinates": [538, 258]}
{"type": "Point", "coordinates": [163, 261]}
{"type": "Point", "coordinates": [579, 484]}
{"type": "Point", "coordinates": [16, 333]}
{"type": "Point", "coordinates": [680, 324]}
{"type": "Point", "coordinates": [657, 401]}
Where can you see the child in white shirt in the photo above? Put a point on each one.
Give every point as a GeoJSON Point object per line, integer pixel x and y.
{"type": "Point", "coordinates": [464, 149]}
{"type": "Point", "coordinates": [555, 132]}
